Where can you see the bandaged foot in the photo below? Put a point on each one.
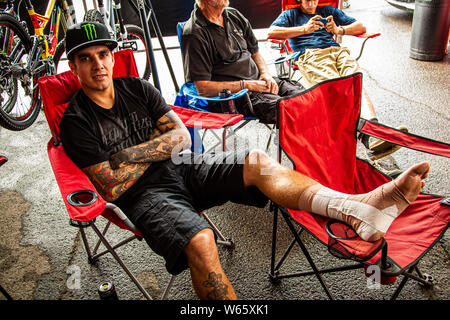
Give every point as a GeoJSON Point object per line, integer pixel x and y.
{"type": "Point", "coordinates": [372, 213]}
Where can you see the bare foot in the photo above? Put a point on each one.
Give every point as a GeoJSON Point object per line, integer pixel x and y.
{"type": "Point", "coordinates": [411, 181]}
{"type": "Point", "coordinates": [381, 206]}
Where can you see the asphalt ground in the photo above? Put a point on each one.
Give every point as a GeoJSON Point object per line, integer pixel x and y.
{"type": "Point", "coordinates": [42, 256]}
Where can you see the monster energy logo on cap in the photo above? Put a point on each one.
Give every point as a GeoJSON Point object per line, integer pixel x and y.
{"type": "Point", "coordinates": [87, 34]}
{"type": "Point", "coordinates": [91, 33]}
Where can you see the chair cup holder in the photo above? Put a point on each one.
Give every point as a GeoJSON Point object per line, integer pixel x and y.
{"type": "Point", "coordinates": [339, 230]}
{"type": "Point", "coordinates": [82, 198]}
{"type": "Point", "coordinates": [345, 243]}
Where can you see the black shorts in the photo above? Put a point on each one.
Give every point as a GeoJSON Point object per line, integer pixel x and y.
{"type": "Point", "coordinates": [167, 208]}
{"type": "Point", "coordinates": [264, 104]}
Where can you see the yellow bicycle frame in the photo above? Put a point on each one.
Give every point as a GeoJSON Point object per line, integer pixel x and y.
{"type": "Point", "coordinates": [40, 22]}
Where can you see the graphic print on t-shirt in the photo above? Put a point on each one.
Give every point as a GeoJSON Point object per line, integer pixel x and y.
{"type": "Point", "coordinates": [120, 133]}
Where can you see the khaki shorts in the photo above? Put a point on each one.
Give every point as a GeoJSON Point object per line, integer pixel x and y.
{"type": "Point", "coordinates": [317, 65]}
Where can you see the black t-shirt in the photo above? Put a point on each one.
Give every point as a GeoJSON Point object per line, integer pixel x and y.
{"type": "Point", "coordinates": [90, 134]}
{"type": "Point", "coordinates": [216, 53]}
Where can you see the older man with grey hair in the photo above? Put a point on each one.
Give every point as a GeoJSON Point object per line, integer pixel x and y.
{"type": "Point", "coordinates": [220, 51]}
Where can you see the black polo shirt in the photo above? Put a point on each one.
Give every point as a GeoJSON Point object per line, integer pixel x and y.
{"type": "Point", "coordinates": [216, 53]}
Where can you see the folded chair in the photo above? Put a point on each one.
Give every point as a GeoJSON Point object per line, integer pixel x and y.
{"type": "Point", "coordinates": [188, 97]}
{"type": "Point", "coordinates": [83, 203]}
{"type": "Point", "coordinates": [288, 68]}
{"type": "Point", "coordinates": [320, 140]}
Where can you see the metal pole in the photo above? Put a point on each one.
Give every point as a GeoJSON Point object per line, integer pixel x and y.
{"type": "Point", "coordinates": [161, 42]}
{"type": "Point", "coordinates": [148, 43]}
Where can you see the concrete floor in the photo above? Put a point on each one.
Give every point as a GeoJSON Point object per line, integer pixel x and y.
{"type": "Point", "coordinates": [42, 257]}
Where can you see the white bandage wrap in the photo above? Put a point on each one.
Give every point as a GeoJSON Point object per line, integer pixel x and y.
{"type": "Point", "coordinates": [335, 204]}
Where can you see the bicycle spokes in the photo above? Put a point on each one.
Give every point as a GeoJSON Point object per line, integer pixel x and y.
{"type": "Point", "coordinates": [19, 97]}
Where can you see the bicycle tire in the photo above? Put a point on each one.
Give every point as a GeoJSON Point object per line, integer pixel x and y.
{"type": "Point", "coordinates": [135, 40]}
{"type": "Point", "coordinates": [134, 32]}
{"type": "Point", "coordinates": [93, 15]}
{"type": "Point", "coordinates": [20, 112]}
{"type": "Point", "coordinates": [59, 51]}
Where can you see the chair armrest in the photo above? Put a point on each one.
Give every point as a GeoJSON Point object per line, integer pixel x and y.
{"type": "Point", "coordinates": [277, 41]}
{"type": "Point", "coordinates": [72, 182]}
{"type": "Point", "coordinates": [282, 43]}
{"type": "Point", "coordinates": [189, 89]}
{"type": "Point", "coordinates": [82, 201]}
{"type": "Point", "coordinates": [405, 139]}
{"type": "Point", "coordinates": [230, 97]}
{"type": "Point", "coordinates": [367, 35]}
{"type": "Point", "coordinates": [206, 120]}
{"type": "Point", "coordinates": [285, 58]}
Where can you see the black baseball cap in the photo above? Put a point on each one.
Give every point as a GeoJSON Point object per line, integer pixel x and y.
{"type": "Point", "coordinates": [86, 34]}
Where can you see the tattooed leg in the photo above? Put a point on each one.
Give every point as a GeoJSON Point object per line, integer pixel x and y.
{"type": "Point", "coordinates": [208, 278]}
{"type": "Point", "coordinates": [219, 290]}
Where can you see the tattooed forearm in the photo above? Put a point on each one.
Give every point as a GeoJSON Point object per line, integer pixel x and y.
{"type": "Point", "coordinates": [155, 133]}
{"type": "Point", "coordinates": [112, 178]}
{"type": "Point", "coordinates": [174, 137]}
{"type": "Point", "coordinates": [219, 289]}
{"type": "Point", "coordinates": [154, 150]}
{"type": "Point", "coordinates": [110, 183]}
{"type": "Point", "coordinates": [168, 122]}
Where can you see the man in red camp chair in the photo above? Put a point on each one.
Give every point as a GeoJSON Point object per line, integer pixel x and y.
{"type": "Point", "coordinates": [309, 29]}
{"type": "Point", "coordinates": [108, 130]}
{"type": "Point", "coordinates": [221, 52]}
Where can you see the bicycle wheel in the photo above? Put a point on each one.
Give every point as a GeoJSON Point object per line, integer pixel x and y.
{"type": "Point", "coordinates": [135, 41]}
{"type": "Point", "coordinates": [19, 96]}
{"type": "Point", "coordinates": [59, 52]}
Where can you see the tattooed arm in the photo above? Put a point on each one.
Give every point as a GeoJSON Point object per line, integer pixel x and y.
{"type": "Point", "coordinates": [174, 138]}
{"type": "Point", "coordinates": [112, 178]}
{"type": "Point", "coordinates": [111, 183]}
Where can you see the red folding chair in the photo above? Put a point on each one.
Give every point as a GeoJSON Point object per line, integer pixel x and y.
{"type": "Point", "coordinates": [81, 199]}
{"type": "Point", "coordinates": [320, 140]}
{"type": "Point", "coordinates": [288, 69]}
